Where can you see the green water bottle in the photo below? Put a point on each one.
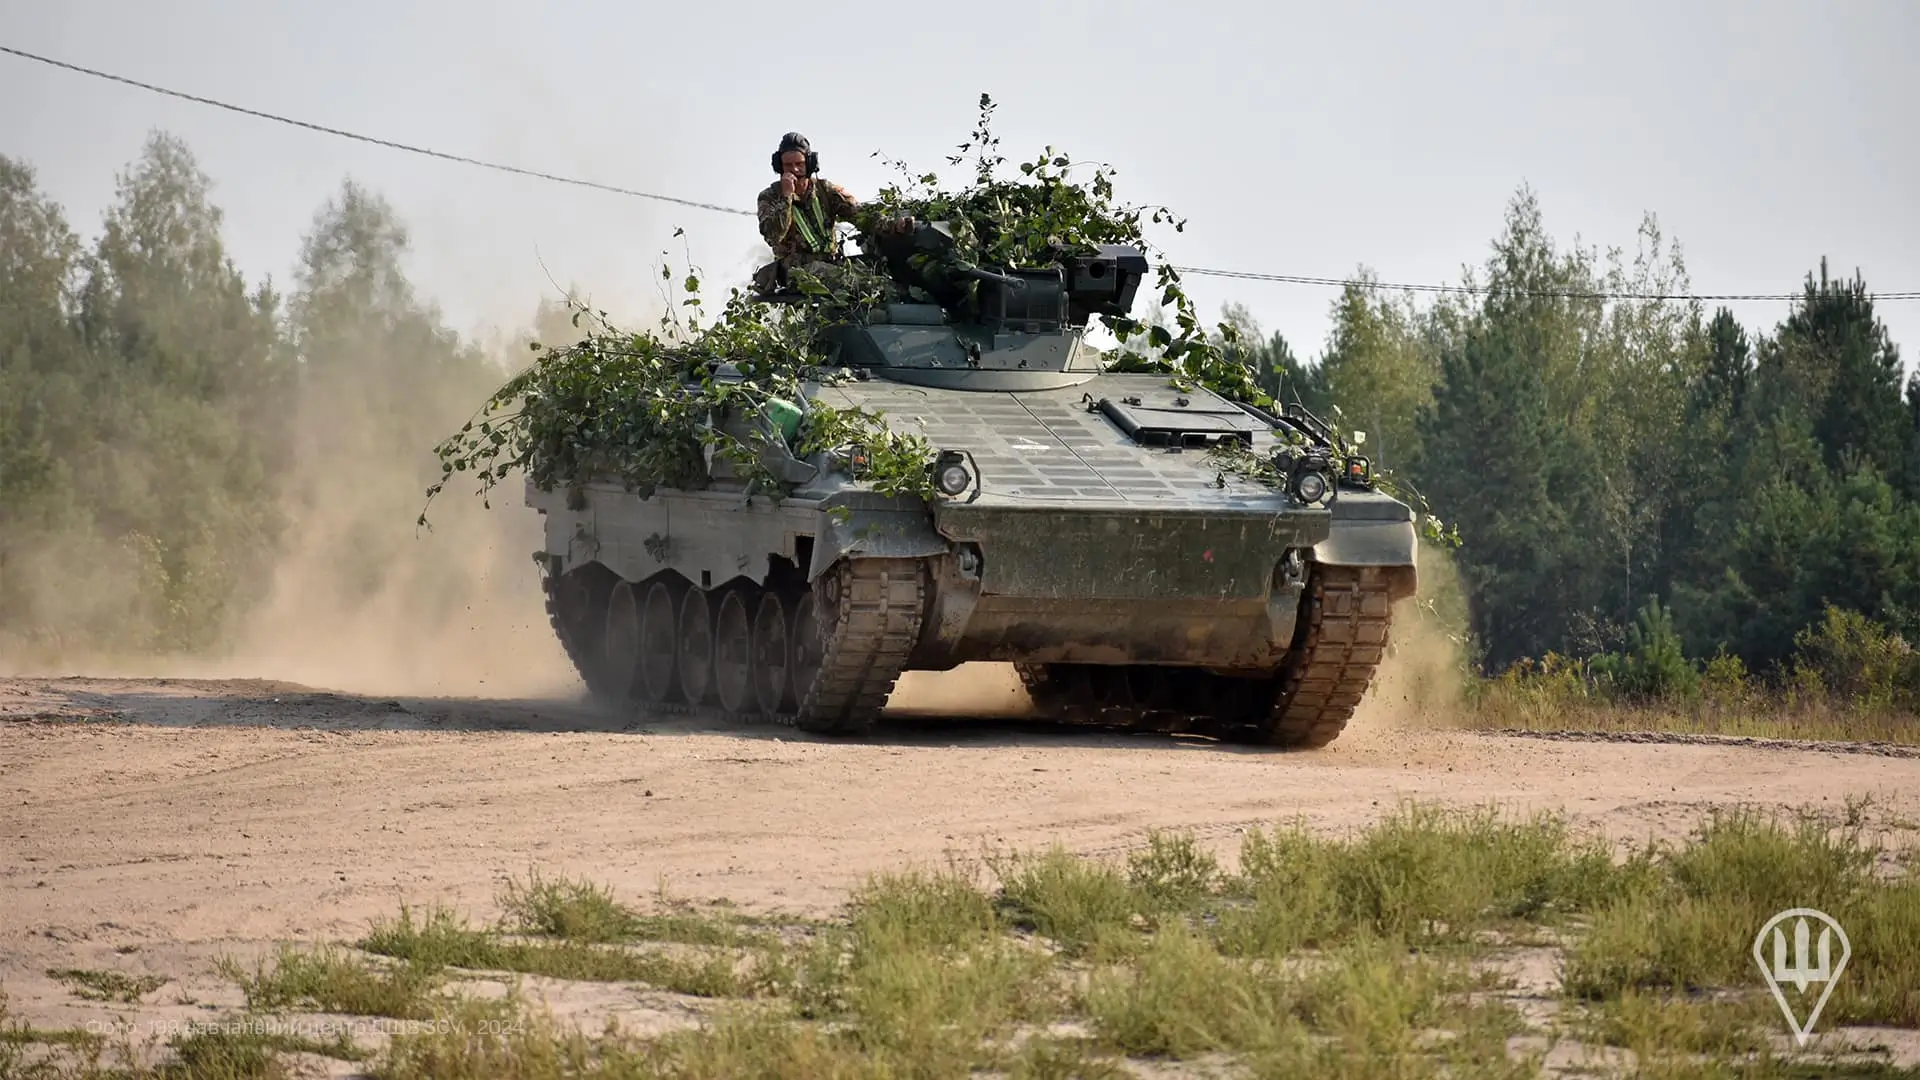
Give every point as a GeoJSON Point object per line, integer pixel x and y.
{"type": "Point", "coordinates": [785, 416]}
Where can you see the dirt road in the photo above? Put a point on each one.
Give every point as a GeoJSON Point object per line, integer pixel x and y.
{"type": "Point", "coordinates": [150, 820]}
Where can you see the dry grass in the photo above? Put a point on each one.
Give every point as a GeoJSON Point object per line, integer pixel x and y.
{"type": "Point", "coordinates": [1512, 705]}
{"type": "Point", "coordinates": [94, 985]}
{"type": "Point", "coordinates": [1375, 955]}
{"type": "Point", "coordinates": [1816, 697]}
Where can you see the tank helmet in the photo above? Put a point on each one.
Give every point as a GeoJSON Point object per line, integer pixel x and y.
{"type": "Point", "coordinates": [793, 140]}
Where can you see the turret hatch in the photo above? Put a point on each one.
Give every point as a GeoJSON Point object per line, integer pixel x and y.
{"type": "Point", "coordinates": [1176, 419]}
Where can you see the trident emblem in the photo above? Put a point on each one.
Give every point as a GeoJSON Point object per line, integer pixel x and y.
{"type": "Point", "coordinates": [1803, 968]}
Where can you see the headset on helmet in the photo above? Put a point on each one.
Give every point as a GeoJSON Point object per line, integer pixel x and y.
{"type": "Point", "coordinates": [793, 140]}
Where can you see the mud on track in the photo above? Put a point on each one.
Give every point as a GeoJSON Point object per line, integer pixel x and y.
{"type": "Point", "coordinates": [148, 824]}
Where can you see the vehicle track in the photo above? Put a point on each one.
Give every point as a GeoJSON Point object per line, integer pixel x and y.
{"type": "Point", "coordinates": [824, 657]}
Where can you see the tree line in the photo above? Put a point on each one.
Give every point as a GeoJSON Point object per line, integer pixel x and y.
{"type": "Point", "coordinates": [1641, 482]}
{"type": "Point", "coordinates": [181, 449]}
{"type": "Point", "coordinates": [1630, 478]}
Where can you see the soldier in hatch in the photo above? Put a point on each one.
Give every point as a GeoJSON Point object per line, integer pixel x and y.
{"type": "Point", "coordinates": [798, 213]}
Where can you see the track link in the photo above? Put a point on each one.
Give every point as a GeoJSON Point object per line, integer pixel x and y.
{"type": "Point", "coordinates": [1341, 641]}
{"type": "Point", "coordinates": [866, 612]}
{"type": "Point", "coordinates": [1349, 615]}
{"type": "Point", "coordinates": [576, 608]}
{"type": "Point", "coordinates": [874, 607]}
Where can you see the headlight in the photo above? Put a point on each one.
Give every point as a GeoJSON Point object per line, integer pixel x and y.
{"type": "Point", "coordinates": [950, 473]}
{"type": "Point", "coordinates": [1312, 487]}
{"type": "Point", "coordinates": [954, 479]}
{"type": "Point", "coordinates": [852, 460]}
{"type": "Point", "coordinates": [1308, 473]}
{"type": "Point", "coordinates": [1359, 472]}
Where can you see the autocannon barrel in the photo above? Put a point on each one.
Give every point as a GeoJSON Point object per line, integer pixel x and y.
{"type": "Point", "coordinates": [979, 274]}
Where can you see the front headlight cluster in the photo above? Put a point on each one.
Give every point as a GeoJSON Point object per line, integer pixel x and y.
{"type": "Point", "coordinates": [1308, 473]}
{"type": "Point", "coordinates": [954, 471]}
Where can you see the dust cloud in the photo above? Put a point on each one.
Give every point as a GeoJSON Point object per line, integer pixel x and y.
{"type": "Point", "coordinates": [362, 599]}
{"type": "Point", "coordinates": [1419, 686]}
{"type": "Point", "coordinates": [458, 611]}
{"type": "Point", "coordinates": [983, 690]}
{"type": "Point", "coordinates": [348, 593]}
{"type": "Point", "coordinates": [357, 598]}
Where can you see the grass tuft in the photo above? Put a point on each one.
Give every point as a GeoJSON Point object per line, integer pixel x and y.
{"type": "Point", "coordinates": [1423, 875]}
{"type": "Point", "coordinates": [330, 979]}
{"type": "Point", "coordinates": [443, 940]}
{"type": "Point", "coordinates": [572, 910]}
{"type": "Point", "coordinates": [107, 985]}
{"type": "Point", "coordinates": [587, 912]}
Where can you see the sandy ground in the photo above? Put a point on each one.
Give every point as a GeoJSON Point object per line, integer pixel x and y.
{"type": "Point", "coordinates": [152, 824]}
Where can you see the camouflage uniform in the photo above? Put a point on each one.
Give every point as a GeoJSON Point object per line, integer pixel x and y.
{"type": "Point", "coordinates": [804, 224]}
{"type": "Point", "coordinates": [800, 229]}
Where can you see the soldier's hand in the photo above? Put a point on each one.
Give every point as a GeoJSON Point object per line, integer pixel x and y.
{"type": "Point", "coordinates": [786, 184]}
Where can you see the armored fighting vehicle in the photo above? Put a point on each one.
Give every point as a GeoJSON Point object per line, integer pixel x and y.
{"type": "Point", "coordinates": [1082, 532]}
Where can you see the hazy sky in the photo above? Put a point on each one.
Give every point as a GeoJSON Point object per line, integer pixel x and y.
{"type": "Point", "coordinates": [1297, 139]}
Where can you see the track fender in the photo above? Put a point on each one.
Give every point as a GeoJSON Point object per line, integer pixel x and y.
{"type": "Point", "coordinates": [1390, 545]}
{"type": "Point", "coordinates": [884, 534]}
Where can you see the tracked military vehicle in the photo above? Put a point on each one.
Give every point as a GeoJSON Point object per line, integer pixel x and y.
{"type": "Point", "coordinates": [1082, 532]}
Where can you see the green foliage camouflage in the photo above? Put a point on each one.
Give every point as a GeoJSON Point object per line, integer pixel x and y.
{"type": "Point", "coordinates": [1046, 215]}
{"type": "Point", "coordinates": [646, 409]}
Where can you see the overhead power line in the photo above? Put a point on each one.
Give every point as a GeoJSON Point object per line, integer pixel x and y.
{"type": "Point", "coordinates": [370, 139]}
{"type": "Point", "coordinates": [1246, 275]}
{"type": "Point", "coordinates": [1568, 294]}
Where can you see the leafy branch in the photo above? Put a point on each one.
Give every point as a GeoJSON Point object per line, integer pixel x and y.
{"type": "Point", "coordinates": [652, 410]}
{"type": "Point", "coordinates": [1046, 215]}
{"type": "Point", "coordinates": [1230, 457]}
